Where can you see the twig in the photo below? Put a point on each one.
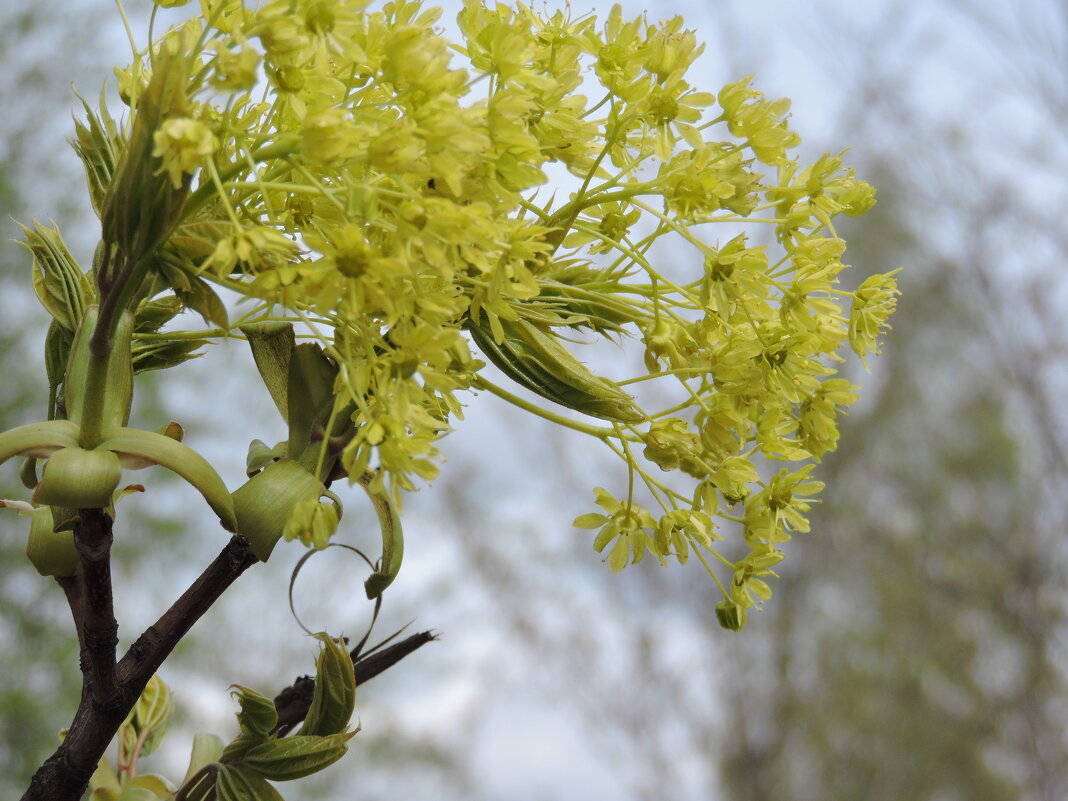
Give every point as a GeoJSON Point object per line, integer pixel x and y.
{"type": "Point", "coordinates": [99, 631]}
{"type": "Point", "coordinates": [65, 775]}
{"type": "Point", "coordinates": [156, 643]}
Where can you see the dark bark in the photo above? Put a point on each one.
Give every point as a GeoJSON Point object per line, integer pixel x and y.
{"type": "Point", "coordinates": [99, 631]}
{"type": "Point", "coordinates": [110, 691]}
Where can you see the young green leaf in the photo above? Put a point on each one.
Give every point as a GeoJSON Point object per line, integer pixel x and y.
{"type": "Point", "coordinates": [258, 716]}
{"type": "Point", "coordinates": [152, 714]}
{"type": "Point", "coordinates": [334, 697]}
{"type": "Point", "coordinates": [236, 783]}
{"type": "Point", "coordinates": [201, 298]}
{"type": "Point", "coordinates": [295, 757]}
{"type": "Point", "coordinates": [207, 748]}
{"type": "Point", "coordinates": [61, 286]}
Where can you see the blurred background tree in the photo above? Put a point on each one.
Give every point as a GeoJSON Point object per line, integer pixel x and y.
{"type": "Point", "coordinates": [914, 650]}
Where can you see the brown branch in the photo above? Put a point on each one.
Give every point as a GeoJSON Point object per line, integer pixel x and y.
{"type": "Point", "coordinates": [156, 643]}
{"type": "Point", "coordinates": [99, 631]}
{"type": "Point", "coordinates": [65, 775]}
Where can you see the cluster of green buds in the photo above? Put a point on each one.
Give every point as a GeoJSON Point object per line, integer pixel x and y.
{"type": "Point", "coordinates": [371, 190]}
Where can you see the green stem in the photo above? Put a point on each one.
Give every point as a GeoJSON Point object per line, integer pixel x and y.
{"type": "Point", "coordinates": [280, 149]}
{"type": "Point", "coordinates": [533, 408]}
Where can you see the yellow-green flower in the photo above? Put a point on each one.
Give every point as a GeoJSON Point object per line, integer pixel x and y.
{"type": "Point", "coordinates": [389, 190]}
{"type": "Point", "coordinates": [183, 145]}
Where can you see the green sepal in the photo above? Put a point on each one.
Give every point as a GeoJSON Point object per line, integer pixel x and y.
{"type": "Point", "coordinates": [295, 757]}
{"type": "Point", "coordinates": [51, 552]}
{"type": "Point", "coordinates": [236, 783]}
{"type": "Point", "coordinates": [334, 697]}
{"type": "Point", "coordinates": [312, 522]}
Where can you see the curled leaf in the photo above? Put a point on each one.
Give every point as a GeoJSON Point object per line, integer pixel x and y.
{"type": "Point", "coordinates": [334, 697]}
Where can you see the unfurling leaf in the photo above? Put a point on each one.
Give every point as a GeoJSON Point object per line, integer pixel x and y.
{"type": "Point", "coordinates": [258, 716]}
{"type": "Point", "coordinates": [61, 286]}
{"type": "Point", "coordinates": [534, 358]}
{"type": "Point", "coordinates": [153, 783]}
{"type": "Point", "coordinates": [334, 697]}
{"type": "Point", "coordinates": [137, 794]}
{"type": "Point", "coordinates": [152, 713]}
{"type": "Point", "coordinates": [160, 354]}
{"type": "Point", "coordinates": [199, 784]}
{"type": "Point", "coordinates": [99, 145]}
{"type": "Point", "coordinates": [295, 757]}
{"type": "Point", "coordinates": [207, 748]}
{"type": "Point", "coordinates": [202, 299]}
{"type": "Point", "coordinates": [235, 783]}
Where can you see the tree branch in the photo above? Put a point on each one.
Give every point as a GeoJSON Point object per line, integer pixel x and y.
{"type": "Point", "coordinates": [156, 643]}
{"type": "Point", "coordinates": [99, 631]}
{"type": "Point", "coordinates": [65, 775]}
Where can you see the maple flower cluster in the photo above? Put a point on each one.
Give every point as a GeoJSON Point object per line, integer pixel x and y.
{"type": "Point", "coordinates": [350, 169]}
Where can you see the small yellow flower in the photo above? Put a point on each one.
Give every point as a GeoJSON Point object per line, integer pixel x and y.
{"type": "Point", "coordinates": [182, 144]}
{"type": "Point", "coordinates": [875, 301]}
